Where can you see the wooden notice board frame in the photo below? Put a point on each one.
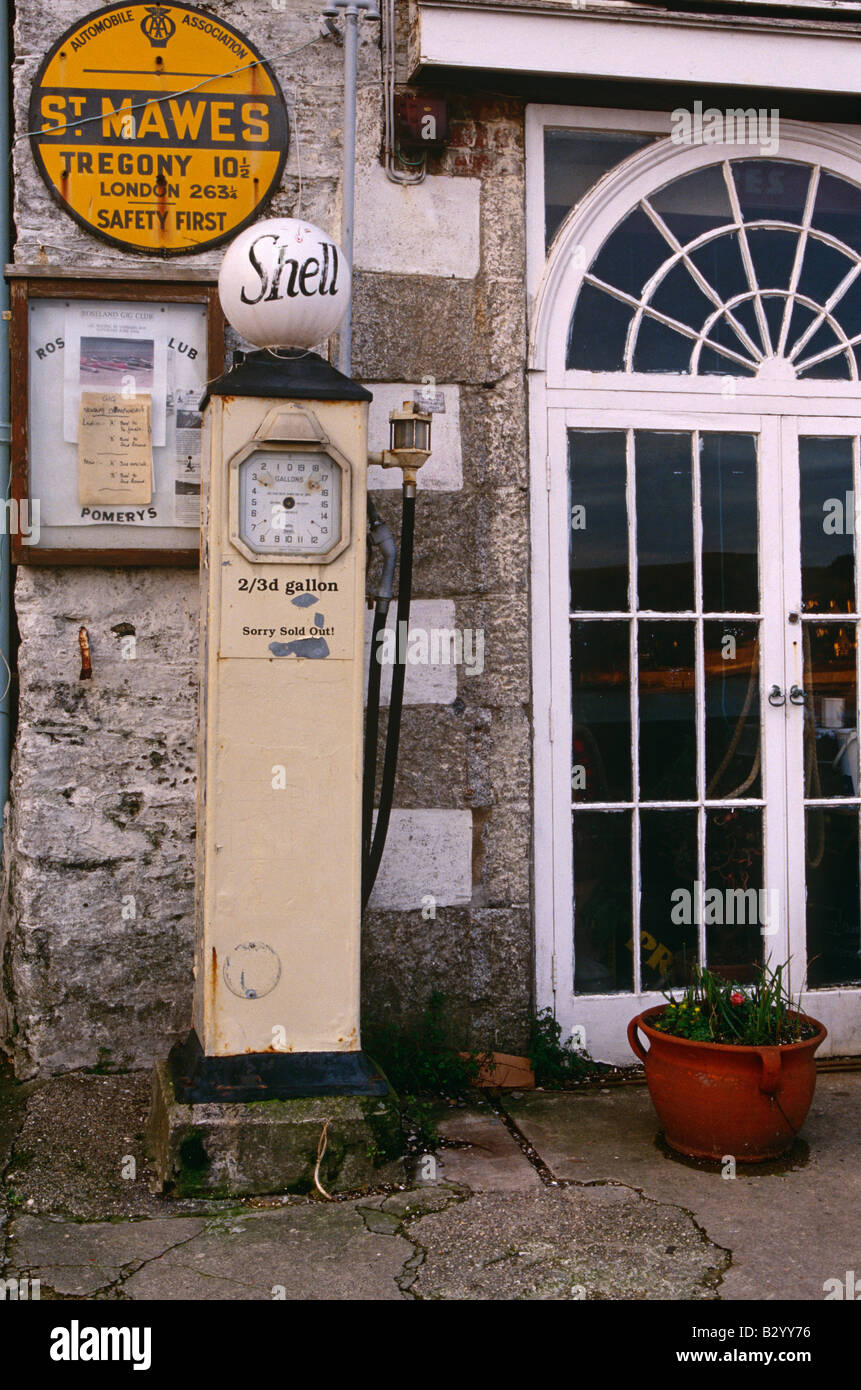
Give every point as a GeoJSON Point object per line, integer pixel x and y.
{"type": "Point", "coordinates": [139, 284]}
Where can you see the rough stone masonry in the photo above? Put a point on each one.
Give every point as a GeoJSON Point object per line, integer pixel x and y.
{"type": "Point", "coordinates": [96, 926]}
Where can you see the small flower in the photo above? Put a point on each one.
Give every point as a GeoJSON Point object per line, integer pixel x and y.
{"type": "Point", "coordinates": [736, 997]}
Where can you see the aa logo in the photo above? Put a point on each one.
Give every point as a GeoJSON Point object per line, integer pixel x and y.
{"type": "Point", "coordinates": [158, 26]}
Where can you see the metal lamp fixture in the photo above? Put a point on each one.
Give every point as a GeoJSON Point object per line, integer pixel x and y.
{"type": "Point", "coordinates": [409, 441]}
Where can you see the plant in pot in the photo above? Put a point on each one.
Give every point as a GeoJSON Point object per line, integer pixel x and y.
{"type": "Point", "coordinates": [730, 1068]}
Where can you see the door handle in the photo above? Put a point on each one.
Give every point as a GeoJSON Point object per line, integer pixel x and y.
{"type": "Point", "coordinates": [776, 696]}
{"type": "Point", "coordinates": [796, 695]}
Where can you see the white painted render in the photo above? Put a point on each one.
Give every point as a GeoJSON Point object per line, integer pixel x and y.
{"type": "Point", "coordinates": [428, 855]}
{"type": "Point", "coordinates": [431, 684]}
{"type": "Point", "coordinates": [429, 228]}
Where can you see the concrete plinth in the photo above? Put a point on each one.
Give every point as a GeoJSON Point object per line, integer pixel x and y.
{"type": "Point", "coordinates": [242, 1148]}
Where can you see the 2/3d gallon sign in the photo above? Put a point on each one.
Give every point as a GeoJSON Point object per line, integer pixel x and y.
{"type": "Point", "coordinates": [158, 128]}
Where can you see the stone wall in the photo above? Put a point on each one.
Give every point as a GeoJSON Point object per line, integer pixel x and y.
{"type": "Point", "coordinates": [99, 858]}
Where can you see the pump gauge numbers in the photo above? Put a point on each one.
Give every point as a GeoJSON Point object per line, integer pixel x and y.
{"type": "Point", "coordinates": [291, 503]}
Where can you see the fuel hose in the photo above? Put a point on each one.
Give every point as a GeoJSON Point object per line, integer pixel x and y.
{"type": "Point", "coordinates": [371, 861]}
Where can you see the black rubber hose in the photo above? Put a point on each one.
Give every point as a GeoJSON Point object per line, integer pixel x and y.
{"type": "Point", "coordinates": [396, 702]}
{"type": "Point", "coordinates": [381, 537]}
{"type": "Point", "coordinates": [372, 725]}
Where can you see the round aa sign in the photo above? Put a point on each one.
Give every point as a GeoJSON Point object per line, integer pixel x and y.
{"type": "Point", "coordinates": [284, 283]}
{"type": "Point", "coordinates": [159, 128]}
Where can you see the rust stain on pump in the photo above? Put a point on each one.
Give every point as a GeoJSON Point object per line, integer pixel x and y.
{"type": "Point", "coordinates": [213, 984]}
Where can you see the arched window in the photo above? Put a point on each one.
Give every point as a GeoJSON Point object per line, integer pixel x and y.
{"type": "Point", "coordinates": [747, 267]}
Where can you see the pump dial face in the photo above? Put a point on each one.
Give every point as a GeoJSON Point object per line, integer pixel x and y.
{"type": "Point", "coordinates": [290, 502]}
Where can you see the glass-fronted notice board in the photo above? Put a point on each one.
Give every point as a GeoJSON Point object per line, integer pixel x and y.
{"type": "Point", "coordinates": [107, 430]}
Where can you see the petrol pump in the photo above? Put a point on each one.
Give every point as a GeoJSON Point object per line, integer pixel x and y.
{"type": "Point", "coordinates": [279, 880]}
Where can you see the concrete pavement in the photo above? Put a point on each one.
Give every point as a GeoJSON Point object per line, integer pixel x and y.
{"type": "Point", "coordinates": [543, 1196]}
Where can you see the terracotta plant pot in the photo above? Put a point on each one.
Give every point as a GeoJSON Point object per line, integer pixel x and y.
{"type": "Point", "coordinates": [714, 1100]}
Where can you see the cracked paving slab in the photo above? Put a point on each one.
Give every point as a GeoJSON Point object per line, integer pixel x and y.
{"type": "Point", "coordinates": [789, 1226]}
{"type": "Point", "coordinates": [78, 1260]}
{"type": "Point", "coordinates": [564, 1244]}
{"type": "Point", "coordinates": [437, 1242]}
{"type": "Point", "coordinates": [316, 1252]}
{"type": "Point", "coordinates": [310, 1252]}
{"type": "Point", "coordinates": [489, 1159]}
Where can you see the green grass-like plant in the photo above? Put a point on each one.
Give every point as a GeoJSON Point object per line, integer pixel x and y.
{"type": "Point", "coordinates": [424, 1068]}
{"type": "Point", "coordinates": [553, 1061]}
{"type": "Point", "coordinates": [712, 1009]}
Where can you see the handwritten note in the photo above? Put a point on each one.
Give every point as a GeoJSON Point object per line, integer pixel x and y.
{"type": "Point", "coordinates": [114, 448]}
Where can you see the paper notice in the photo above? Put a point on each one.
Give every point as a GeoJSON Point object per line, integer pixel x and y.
{"type": "Point", "coordinates": [114, 448]}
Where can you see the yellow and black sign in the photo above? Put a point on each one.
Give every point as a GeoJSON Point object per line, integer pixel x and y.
{"type": "Point", "coordinates": [158, 128]}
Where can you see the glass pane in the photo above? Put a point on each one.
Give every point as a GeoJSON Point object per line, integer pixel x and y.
{"type": "Point", "coordinates": [679, 297]}
{"type": "Point", "coordinates": [599, 330]}
{"type": "Point", "coordinates": [604, 962]}
{"type": "Point", "coordinates": [838, 210]}
{"type": "Point", "coordinates": [774, 308]}
{"type": "Point", "coordinates": [665, 544]}
{"type": "Point", "coordinates": [836, 366]}
{"type": "Point", "coordinates": [723, 332]}
{"type": "Point", "coordinates": [598, 520]}
{"type": "Point", "coordinates": [661, 349]}
{"type": "Point", "coordinates": [631, 254]}
{"type": "Point", "coordinates": [770, 189]}
{"type": "Point", "coordinates": [713, 363]}
{"type": "Point", "coordinates": [833, 934]}
{"type": "Point", "coordinates": [827, 525]}
{"type": "Point", "coordinates": [668, 869]}
{"type": "Point", "coordinates": [822, 270]}
{"type": "Point", "coordinates": [574, 160]}
{"type": "Point", "coordinates": [720, 261]}
{"type": "Point", "coordinates": [734, 909]}
{"type": "Point", "coordinates": [694, 204]}
{"type": "Point", "coordinates": [732, 710]}
{"type": "Point", "coordinates": [667, 720]}
{"type": "Point", "coordinates": [773, 256]}
{"type": "Point", "coordinates": [601, 711]}
{"type": "Point", "coordinates": [746, 317]}
{"type": "Point", "coordinates": [831, 711]}
{"type": "Point", "coordinates": [730, 524]}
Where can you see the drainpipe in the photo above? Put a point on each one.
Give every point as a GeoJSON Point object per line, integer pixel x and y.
{"type": "Point", "coordinates": [5, 427]}
{"type": "Point", "coordinates": [352, 11]}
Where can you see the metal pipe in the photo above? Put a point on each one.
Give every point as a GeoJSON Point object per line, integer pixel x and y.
{"type": "Point", "coordinates": [5, 431]}
{"type": "Point", "coordinates": [353, 10]}
{"type": "Point", "coordinates": [400, 175]}
{"type": "Point", "coordinates": [348, 192]}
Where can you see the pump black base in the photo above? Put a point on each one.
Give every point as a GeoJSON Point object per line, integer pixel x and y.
{"type": "Point", "coordinates": [198, 1079]}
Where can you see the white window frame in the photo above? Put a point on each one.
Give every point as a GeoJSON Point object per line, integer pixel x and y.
{"type": "Point", "coordinates": [659, 401]}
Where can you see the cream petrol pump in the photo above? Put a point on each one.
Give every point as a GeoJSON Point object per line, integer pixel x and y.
{"type": "Point", "coordinates": [279, 873]}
